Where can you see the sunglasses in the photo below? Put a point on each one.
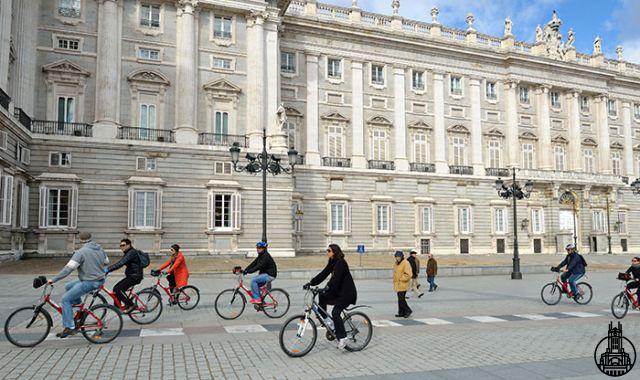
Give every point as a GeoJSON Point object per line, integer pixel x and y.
{"type": "Point", "coordinates": [123, 245]}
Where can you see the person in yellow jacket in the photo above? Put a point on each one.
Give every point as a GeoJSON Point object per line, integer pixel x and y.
{"type": "Point", "coordinates": [401, 278]}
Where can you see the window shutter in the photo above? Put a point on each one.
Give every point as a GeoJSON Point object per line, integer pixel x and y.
{"type": "Point", "coordinates": [141, 163]}
{"type": "Point", "coordinates": [8, 199]}
{"type": "Point", "coordinates": [158, 214]}
{"type": "Point", "coordinates": [3, 140]}
{"type": "Point", "coordinates": [132, 208]}
{"type": "Point", "coordinates": [210, 211]}
{"type": "Point", "coordinates": [348, 217]}
{"type": "Point", "coordinates": [392, 219]}
{"type": "Point", "coordinates": [2, 196]}
{"type": "Point", "coordinates": [44, 203]}
{"type": "Point", "coordinates": [73, 208]}
{"type": "Point", "coordinates": [24, 217]}
{"type": "Point", "coordinates": [26, 156]}
{"type": "Point", "coordinates": [237, 212]}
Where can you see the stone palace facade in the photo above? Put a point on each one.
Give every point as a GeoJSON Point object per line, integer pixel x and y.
{"type": "Point", "coordinates": [116, 117]}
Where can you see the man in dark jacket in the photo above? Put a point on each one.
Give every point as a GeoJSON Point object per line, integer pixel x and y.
{"type": "Point", "coordinates": [133, 273]}
{"type": "Point", "coordinates": [267, 271]}
{"type": "Point", "coordinates": [414, 285]}
{"type": "Point", "coordinates": [634, 270]}
{"type": "Point", "coordinates": [575, 269]}
{"type": "Point", "coordinates": [432, 272]}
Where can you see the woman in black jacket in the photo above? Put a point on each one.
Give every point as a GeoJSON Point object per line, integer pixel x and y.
{"type": "Point", "coordinates": [340, 290]}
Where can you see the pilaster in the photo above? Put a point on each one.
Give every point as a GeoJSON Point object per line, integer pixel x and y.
{"type": "Point", "coordinates": [255, 79]}
{"type": "Point", "coordinates": [358, 159]}
{"type": "Point", "coordinates": [5, 38]}
{"type": "Point", "coordinates": [544, 129]}
{"type": "Point", "coordinates": [400, 125]}
{"type": "Point", "coordinates": [575, 143]}
{"type": "Point", "coordinates": [513, 147]}
{"type": "Point", "coordinates": [312, 156]}
{"type": "Point", "coordinates": [628, 139]}
{"type": "Point", "coordinates": [604, 149]}
{"type": "Point", "coordinates": [26, 21]}
{"type": "Point", "coordinates": [186, 89]}
{"type": "Point", "coordinates": [439, 134]}
{"type": "Point", "coordinates": [107, 70]}
{"type": "Point", "coordinates": [476, 127]}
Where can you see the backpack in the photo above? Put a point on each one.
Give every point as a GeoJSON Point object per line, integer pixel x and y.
{"type": "Point", "coordinates": [144, 259]}
{"type": "Point", "coordinates": [584, 262]}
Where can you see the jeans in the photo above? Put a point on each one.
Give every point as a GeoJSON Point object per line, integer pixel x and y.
{"type": "Point", "coordinates": [258, 281]}
{"type": "Point", "coordinates": [403, 307]}
{"type": "Point", "coordinates": [432, 282]}
{"type": "Point", "coordinates": [572, 279]}
{"type": "Point", "coordinates": [120, 289]}
{"type": "Point", "coordinates": [74, 291]}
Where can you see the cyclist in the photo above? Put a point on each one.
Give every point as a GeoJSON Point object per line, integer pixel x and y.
{"type": "Point", "coordinates": [634, 270]}
{"type": "Point", "coordinates": [575, 269]}
{"type": "Point", "coordinates": [133, 273]}
{"type": "Point", "coordinates": [266, 268]}
{"type": "Point", "coordinates": [178, 274]}
{"type": "Point", "coordinates": [90, 261]}
{"type": "Point", "coordinates": [339, 292]}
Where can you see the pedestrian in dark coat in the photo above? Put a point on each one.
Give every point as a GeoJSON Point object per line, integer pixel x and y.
{"type": "Point", "coordinates": [432, 272]}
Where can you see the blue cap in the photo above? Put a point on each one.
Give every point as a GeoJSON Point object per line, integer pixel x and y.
{"type": "Point", "coordinates": [261, 244]}
{"type": "Point", "coordinates": [399, 254]}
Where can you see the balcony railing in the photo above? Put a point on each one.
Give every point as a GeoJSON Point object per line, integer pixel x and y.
{"type": "Point", "coordinates": [5, 99]}
{"type": "Point", "coordinates": [337, 162]}
{"type": "Point", "coordinates": [146, 134]}
{"type": "Point", "coordinates": [61, 128]}
{"type": "Point", "coordinates": [569, 176]}
{"type": "Point", "coordinates": [497, 172]}
{"type": "Point", "coordinates": [422, 167]}
{"type": "Point", "coordinates": [23, 118]}
{"type": "Point", "coordinates": [220, 139]}
{"type": "Point", "coordinates": [382, 165]}
{"type": "Point", "coordinates": [462, 170]}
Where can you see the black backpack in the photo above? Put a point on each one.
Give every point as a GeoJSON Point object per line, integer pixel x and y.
{"type": "Point", "coordinates": [584, 262]}
{"type": "Point", "coordinates": [144, 259]}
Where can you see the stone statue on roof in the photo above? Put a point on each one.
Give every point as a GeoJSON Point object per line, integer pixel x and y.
{"type": "Point", "coordinates": [597, 46]}
{"type": "Point", "coordinates": [507, 26]}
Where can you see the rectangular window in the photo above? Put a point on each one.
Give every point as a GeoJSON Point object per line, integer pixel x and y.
{"type": "Point", "coordinates": [427, 220]}
{"type": "Point", "coordinates": [222, 63]}
{"type": "Point", "coordinates": [61, 159]}
{"type": "Point", "coordinates": [221, 123]}
{"type": "Point", "coordinates": [383, 219]}
{"type": "Point", "coordinates": [224, 211]}
{"type": "Point", "coordinates": [222, 27]}
{"type": "Point", "coordinates": [66, 109]}
{"type": "Point", "coordinates": [287, 62]}
{"type": "Point", "coordinates": [150, 16]}
{"type": "Point", "coordinates": [149, 54]}
{"type": "Point", "coordinates": [584, 104]}
{"type": "Point", "coordinates": [69, 8]}
{"type": "Point", "coordinates": [144, 209]}
{"type": "Point", "coordinates": [491, 91]}
{"type": "Point", "coordinates": [68, 44]}
{"type": "Point", "coordinates": [455, 86]}
{"type": "Point", "coordinates": [420, 148]}
{"type": "Point", "coordinates": [425, 246]}
{"type": "Point", "coordinates": [598, 220]}
{"type": "Point", "coordinates": [612, 107]}
{"type": "Point", "coordinates": [377, 74]}
{"type": "Point", "coordinates": [558, 152]}
{"type": "Point", "coordinates": [220, 167]}
{"type": "Point", "coordinates": [338, 217]}
{"type": "Point", "coordinates": [636, 111]}
{"type": "Point", "coordinates": [622, 222]}
{"type": "Point", "coordinates": [23, 154]}
{"type": "Point", "coordinates": [565, 220]}
{"type": "Point", "coordinates": [6, 198]}
{"type": "Point", "coordinates": [59, 205]}
{"type": "Point", "coordinates": [537, 220]}
{"type": "Point", "coordinates": [289, 128]}
{"type": "Point", "coordinates": [335, 141]}
{"type": "Point", "coordinates": [417, 80]}
{"type": "Point", "coordinates": [148, 116]}
{"type": "Point", "coordinates": [146, 164]}
{"type": "Point", "coordinates": [459, 151]}
{"type": "Point", "coordinates": [334, 68]}
{"type": "Point", "coordinates": [616, 160]}
{"type": "Point", "coordinates": [296, 216]}
{"type": "Point", "coordinates": [494, 153]}
{"type": "Point", "coordinates": [589, 161]}
{"type": "Point", "coordinates": [464, 220]}
{"type": "Point", "coordinates": [379, 145]}
{"type": "Point", "coordinates": [555, 99]}
{"type": "Point", "coordinates": [500, 220]}
{"type": "Point", "coordinates": [524, 95]}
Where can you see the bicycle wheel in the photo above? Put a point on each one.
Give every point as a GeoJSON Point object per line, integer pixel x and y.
{"type": "Point", "coordinates": [275, 303]}
{"type": "Point", "coordinates": [100, 330]}
{"type": "Point", "coordinates": [551, 293]}
{"type": "Point", "coordinates": [188, 297]}
{"type": "Point", "coordinates": [27, 326]}
{"type": "Point", "coordinates": [620, 305]}
{"type": "Point", "coordinates": [586, 292]}
{"type": "Point", "coordinates": [294, 336]}
{"type": "Point", "coordinates": [148, 307]}
{"type": "Point", "coordinates": [230, 304]}
{"type": "Point", "coordinates": [359, 331]}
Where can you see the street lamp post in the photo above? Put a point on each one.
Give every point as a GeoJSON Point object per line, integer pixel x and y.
{"type": "Point", "coordinates": [635, 186]}
{"type": "Point", "coordinates": [264, 163]}
{"type": "Point", "coordinates": [608, 226]}
{"type": "Point", "coordinates": [515, 192]}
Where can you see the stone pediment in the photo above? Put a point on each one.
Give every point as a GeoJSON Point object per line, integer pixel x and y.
{"type": "Point", "coordinates": [420, 124]}
{"type": "Point", "coordinates": [148, 76]}
{"type": "Point", "coordinates": [617, 145]}
{"type": "Point", "coordinates": [458, 129]}
{"type": "Point", "coordinates": [528, 136]}
{"type": "Point", "coordinates": [292, 112]}
{"type": "Point", "coordinates": [589, 142]}
{"type": "Point", "coordinates": [335, 116]}
{"type": "Point", "coordinates": [495, 133]}
{"type": "Point", "coordinates": [379, 120]}
{"type": "Point", "coordinates": [65, 67]}
{"type": "Point", "coordinates": [559, 140]}
{"type": "Point", "coordinates": [222, 85]}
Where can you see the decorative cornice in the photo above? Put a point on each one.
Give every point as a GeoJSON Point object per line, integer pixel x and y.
{"type": "Point", "coordinates": [65, 67]}
{"type": "Point", "coordinates": [148, 76]}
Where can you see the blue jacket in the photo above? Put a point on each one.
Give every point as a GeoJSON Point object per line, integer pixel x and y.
{"type": "Point", "coordinates": [574, 263]}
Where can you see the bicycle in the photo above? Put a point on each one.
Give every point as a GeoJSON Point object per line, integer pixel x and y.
{"type": "Point", "coordinates": [294, 329]}
{"type": "Point", "coordinates": [230, 303]}
{"type": "Point", "coordinates": [146, 304]}
{"type": "Point", "coordinates": [620, 303]}
{"type": "Point", "coordinates": [30, 325]}
{"type": "Point", "coordinates": [552, 292]}
{"type": "Point", "coordinates": [186, 297]}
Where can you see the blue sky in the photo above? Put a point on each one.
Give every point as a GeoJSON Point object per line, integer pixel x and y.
{"type": "Point", "coordinates": [616, 21]}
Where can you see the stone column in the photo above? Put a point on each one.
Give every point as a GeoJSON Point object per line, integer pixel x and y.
{"type": "Point", "coordinates": [628, 139]}
{"type": "Point", "coordinates": [312, 156]}
{"type": "Point", "coordinates": [513, 147]}
{"type": "Point", "coordinates": [25, 34]}
{"type": "Point", "coordinates": [5, 38]}
{"type": "Point", "coordinates": [545, 153]}
{"type": "Point", "coordinates": [186, 75]}
{"type": "Point", "coordinates": [255, 79]}
{"type": "Point", "coordinates": [272, 61]}
{"type": "Point", "coordinates": [604, 148]}
{"type": "Point", "coordinates": [107, 70]}
{"type": "Point", "coordinates": [358, 160]}
{"type": "Point", "coordinates": [439, 133]}
{"type": "Point", "coordinates": [575, 143]}
{"type": "Point", "coordinates": [400, 124]}
{"type": "Point", "coordinates": [476, 127]}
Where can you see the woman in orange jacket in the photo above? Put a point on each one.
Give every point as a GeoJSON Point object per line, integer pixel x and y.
{"type": "Point", "coordinates": [178, 274]}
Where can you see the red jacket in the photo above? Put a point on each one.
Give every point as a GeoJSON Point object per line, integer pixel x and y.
{"type": "Point", "coordinates": [178, 269]}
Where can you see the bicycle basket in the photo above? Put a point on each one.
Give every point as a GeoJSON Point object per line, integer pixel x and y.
{"type": "Point", "coordinates": [39, 281]}
{"type": "Point", "coordinates": [624, 276]}
{"type": "Point", "coordinates": [237, 269]}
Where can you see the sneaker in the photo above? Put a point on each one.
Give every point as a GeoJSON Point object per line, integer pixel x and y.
{"type": "Point", "coordinates": [256, 301]}
{"type": "Point", "coordinates": [66, 332]}
{"type": "Point", "coordinates": [408, 315]}
{"type": "Point", "coordinates": [435, 287]}
{"type": "Point", "coordinates": [420, 295]}
{"type": "Point", "coordinates": [399, 315]}
{"type": "Point", "coordinates": [430, 290]}
{"type": "Point", "coordinates": [342, 343]}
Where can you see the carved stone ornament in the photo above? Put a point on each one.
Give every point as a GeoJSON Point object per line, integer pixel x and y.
{"type": "Point", "coordinates": [597, 46]}
{"type": "Point", "coordinates": [508, 26]}
{"type": "Point", "coordinates": [148, 76]}
{"type": "Point", "coordinates": [65, 67]}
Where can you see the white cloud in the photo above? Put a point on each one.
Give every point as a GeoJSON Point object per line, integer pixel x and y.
{"type": "Point", "coordinates": [631, 52]}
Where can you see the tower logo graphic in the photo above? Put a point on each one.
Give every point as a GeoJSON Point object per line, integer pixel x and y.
{"type": "Point", "coordinates": [615, 355]}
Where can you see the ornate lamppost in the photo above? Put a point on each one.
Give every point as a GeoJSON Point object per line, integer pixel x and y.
{"type": "Point", "coordinates": [263, 162]}
{"type": "Point", "coordinates": [635, 186]}
{"type": "Point", "coordinates": [515, 192]}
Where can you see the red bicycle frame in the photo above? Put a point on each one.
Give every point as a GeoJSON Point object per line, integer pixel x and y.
{"type": "Point", "coordinates": [263, 292]}
{"type": "Point", "coordinates": [116, 301]}
{"type": "Point", "coordinates": [632, 296]}
{"type": "Point", "coordinates": [46, 299]}
{"type": "Point", "coordinates": [565, 286]}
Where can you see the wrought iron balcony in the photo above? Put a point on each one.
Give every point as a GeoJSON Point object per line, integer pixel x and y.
{"type": "Point", "coordinates": [221, 139]}
{"type": "Point", "coordinates": [382, 165]}
{"type": "Point", "coordinates": [497, 172]}
{"type": "Point", "coordinates": [47, 127]}
{"type": "Point", "coordinates": [462, 170]}
{"type": "Point", "coordinates": [146, 134]}
{"type": "Point", "coordinates": [422, 167]}
{"type": "Point", "coordinates": [5, 99]}
{"type": "Point", "coordinates": [337, 162]}
{"type": "Point", "coordinates": [23, 118]}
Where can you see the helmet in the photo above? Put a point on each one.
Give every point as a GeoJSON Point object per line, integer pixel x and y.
{"type": "Point", "coordinates": [570, 247]}
{"type": "Point", "coordinates": [261, 244]}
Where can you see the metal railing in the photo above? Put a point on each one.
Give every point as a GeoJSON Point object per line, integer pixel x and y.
{"type": "Point", "coordinates": [462, 170]}
{"type": "Point", "coordinates": [5, 99]}
{"type": "Point", "coordinates": [47, 127]}
{"type": "Point", "coordinates": [422, 167]}
{"type": "Point", "coordinates": [22, 117]}
{"type": "Point", "coordinates": [382, 165]}
{"type": "Point", "coordinates": [146, 134]}
{"type": "Point", "coordinates": [338, 162]}
{"type": "Point", "coordinates": [221, 139]}
{"type": "Point", "coordinates": [497, 172]}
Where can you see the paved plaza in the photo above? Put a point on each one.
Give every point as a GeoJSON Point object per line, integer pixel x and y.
{"type": "Point", "coordinates": [472, 327]}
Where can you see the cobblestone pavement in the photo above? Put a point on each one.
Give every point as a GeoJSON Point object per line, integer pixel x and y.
{"type": "Point", "coordinates": [469, 346]}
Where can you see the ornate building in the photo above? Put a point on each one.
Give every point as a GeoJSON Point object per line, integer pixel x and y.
{"type": "Point", "coordinates": [116, 117]}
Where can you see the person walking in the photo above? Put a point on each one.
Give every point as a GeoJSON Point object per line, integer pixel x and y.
{"type": "Point", "coordinates": [177, 274]}
{"type": "Point", "coordinates": [132, 274]}
{"type": "Point", "coordinates": [432, 272]}
{"type": "Point", "coordinates": [401, 277]}
{"type": "Point", "coordinates": [414, 285]}
{"type": "Point", "coordinates": [339, 292]}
